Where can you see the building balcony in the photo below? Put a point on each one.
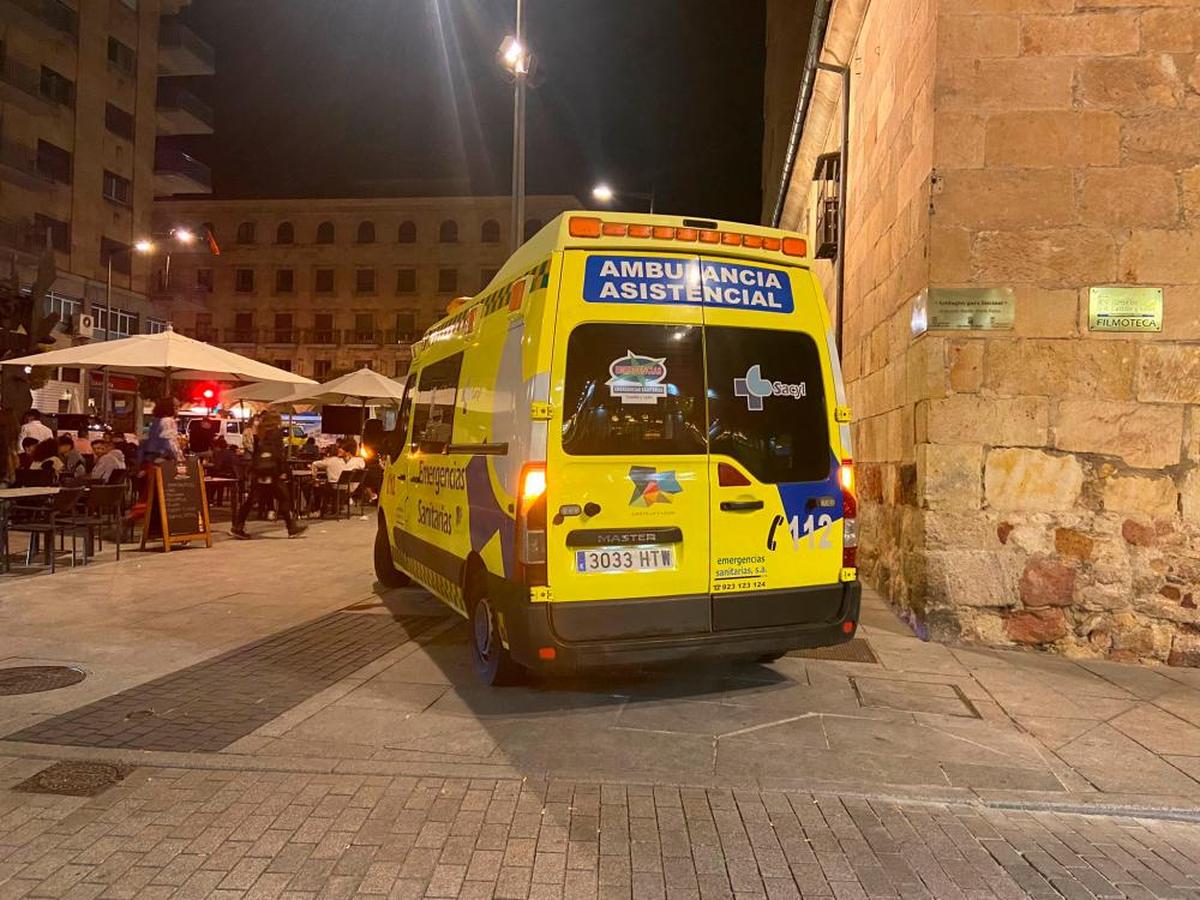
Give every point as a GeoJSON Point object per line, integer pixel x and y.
{"type": "Point", "coordinates": [182, 52]}
{"type": "Point", "coordinates": [208, 334]}
{"type": "Point", "coordinates": [18, 165]}
{"type": "Point", "coordinates": [363, 338]}
{"type": "Point", "coordinates": [53, 15]}
{"type": "Point", "coordinates": [243, 336]}
{"type": "Point", "coordinates": [177, 173]}
{"type": "Point", "coordinates": [319, 337]}
{"type": "Point", "coordinates": [281, 336]}
{"type": "Point", "coordinates": [182, 112]}
{"type": "Point", "coordinates": [21, 86]}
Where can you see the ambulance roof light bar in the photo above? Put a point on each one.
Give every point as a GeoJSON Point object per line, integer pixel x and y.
{"type": "Point", "coordinates": [594, 227]}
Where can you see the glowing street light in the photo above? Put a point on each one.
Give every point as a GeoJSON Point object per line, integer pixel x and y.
{"type": "Point", "coordinates": [514, 55]}
{"type": "Point", "coordinates": [184, 235]}
{"type": "Point", "coordinates": [603, 193]}
{"type": "Point", "coordinates": [515, 58]}
{"type": "Point", "coordinates": [142, 246]}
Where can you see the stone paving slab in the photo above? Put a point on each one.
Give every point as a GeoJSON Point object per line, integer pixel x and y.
{"type": "Point", "coordinates": [178, 833]}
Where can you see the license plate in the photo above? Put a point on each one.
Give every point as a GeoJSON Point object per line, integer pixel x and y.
{"type": "Point", "coordinates": [624, 559]}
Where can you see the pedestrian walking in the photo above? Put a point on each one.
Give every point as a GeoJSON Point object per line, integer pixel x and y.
{"type": "Point", "coordinates": [268, 477]}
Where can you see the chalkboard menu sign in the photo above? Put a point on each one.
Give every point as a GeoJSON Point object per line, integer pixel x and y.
{"type": "Point", "coordinates": [177, 509]}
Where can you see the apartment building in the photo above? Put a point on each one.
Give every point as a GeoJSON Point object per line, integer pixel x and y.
{"type": "Point", "coordinates": [88, 89]}
{"type": "Point", "coordinates": [319, 286]}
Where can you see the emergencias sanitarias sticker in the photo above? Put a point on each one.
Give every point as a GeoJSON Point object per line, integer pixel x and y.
{"type": "Point", "coordinates": [637, 379]}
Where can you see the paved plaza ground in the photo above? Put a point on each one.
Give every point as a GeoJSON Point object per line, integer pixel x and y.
{"type": "Point", "coordinates": [288, 728]}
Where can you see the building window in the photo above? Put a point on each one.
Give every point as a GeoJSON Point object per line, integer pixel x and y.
{"type": "Point", "coordinates": [406, 325]}
{"type": "Point", "coordinates": [322, 368]}
{"type": "Point", "coordinates": [827, 178]}
{"type": "Point", "coordinates": [57, 88]}
{"type": "Point", "coordinates": [366, 233]}
{"type": "Point", "coordinates": [362, 364]}
{"type": "Point", "coordinates": [407, 233]}
{"type": "Point", "coordinates": [116, 253]}
{"type": "Point", "coordinates": [204, 327]}
{"type": "Point", "coordinates": [323, 328]}
{"type": "Point", "coordinates": [66, 307]}
{"type": "Point", "coordinates": [121, 57]}
{"type": "Point", "coordinates": [243, 327]}
{"type": "Point", "coordinates": [115, 322]}
{"type": "Point", "coordinates": [325, 233]}
{"type": "Point", "coordinates": [245, 233]}
{"type": "Point", "coordinates": [285, 364]}
{"type": "Point", "coordinates": [284, 281]}
{"type": "Point", "coordinates": [283, 328]}
{"type": "Point", "coordinates": [323, 281]}
{"type": "Point", "coordinates": [204, 280]}
{"type": "Point", "coordinates": [117, 188]}
{"type": "Point", "coordinates": [448, 232]}
{"type": "Point", "coordinates": [406, 281]}
{"type": "Point", "coordinates": [485, 277]}
{"type": "Point", "coordinates": [489, 232]}
{"type": "Point", "coordinates": [243, 281]}
{"type": "Point", "coordinates": [60, 232]}
{"type": "Point", "coordinates": [364, 281]}
{"type": "Point", "coordinates": [118, 121]}
{"type": "Point", "coordinates": [54, 162]}
{"type": "Point", "coordinates": [447, 281]}
{"type": "Point", "coordinates": [532, 227]}
{"type": "Point", "coordinates": [156, 326]}
{"type": "Point", "coordinates": [364, 327]}
{"type": "Point", "coordinates": [285, 233]}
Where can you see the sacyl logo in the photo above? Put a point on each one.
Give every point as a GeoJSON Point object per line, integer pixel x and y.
{"type": "Point", "coordinates": [754, 388]}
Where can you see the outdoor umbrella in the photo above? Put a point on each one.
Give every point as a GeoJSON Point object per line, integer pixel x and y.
{"type": "Point", "coordinates": [361, 386]}
{"type": "Point", "coordinates": [167, 354]}
{"type": "Point", "coordinates": [259, 392]}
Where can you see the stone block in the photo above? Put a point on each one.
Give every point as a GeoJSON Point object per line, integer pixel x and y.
{"type": "Point", "coordinates": [1169, 30]}
{"type": "Point", "coordinates": [952, 530]}
{"type": "Point", "coordinates": [1053, 139]}
{"type": "Point", "coordinates": [1047, 582]}
{"type": "Point", "coordinates": [1036, 626]}
{"type": "Point", "coordinates": [949, 255]}
{"type": "Point", "coordinates": [972, 578]}
{"type": "Point", "coordinates": [1129, 197]}
{"type": "Point", "coordinates": [1138, 638]}
{"type": "Point", "coordinates": [1130, 84]}
{"type": "Point", "coordinates": [1073, 544]}
{"type": "Point", "coordinates": [1185, 650]}
{"type": "Point", "coordinates": [1063, 368]}
{"type": "Point", "coordinates": [964, 365]}
{"type": "Point", "coordinates": [1150, 496]}
{"type": "Point", "coordinates": [1143, 435]}
{"type": "Point", "coordinates": [948, 475]}
{"type": "Point", "coordinates": [1042, 312]}
{"type": "Point", "coordinates": [968, 418]}
{"type": "Point", "coordinates": [1080, 34]}
{"type": "Point", "coordinates": [1168, 138]}
{"type": "Point", "coordinates": [997, 84]}
{"type": "Point", "coordinates": [1191, 194]}
{"type": "Point", "coordinates": [1190, 497]}
{"type": "Point", "coordinates": [1162, 256]}
{"type": "Point", "coordinates": [1031, 480]}
{"type": "Point", "coordinates": [1006, 198]}
{"type": "Point", "coordinates": [1169, 373]}
{"type": "Point", "coordinates": [1139, 534]}
{"type": "Point", "coordinates": [1005, 7]}
{"type": "Point", "coordinates": [957, 140]}
{"type": "Point", "coordinates": [926, 369]}
{"type": "Point", "coordinates": [1060, 256]}
{"type": "Point", "coordinates": [978, 37]}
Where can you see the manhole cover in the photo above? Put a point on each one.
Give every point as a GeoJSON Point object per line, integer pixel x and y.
{"type": "Point", "coordinates": [74, 779]}
{"type": "Point", "coordinates": [854, 650]}
{"type": "Point", "coordinates": [34, 679]}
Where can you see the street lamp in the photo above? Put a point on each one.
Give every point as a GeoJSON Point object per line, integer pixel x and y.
{"type": "Point", "coordinates": [603, 193]}
{"type": "Point", "coordinates": [514, 56]}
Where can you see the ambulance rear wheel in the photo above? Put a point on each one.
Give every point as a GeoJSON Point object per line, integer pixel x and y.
{"type": "Point", "coordinates": [385, 570]}
{"type": "Point", "coordinates": [491, 660]}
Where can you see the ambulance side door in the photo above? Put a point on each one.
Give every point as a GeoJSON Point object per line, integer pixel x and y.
{"type": "Point", "coordinates": [396, 487]}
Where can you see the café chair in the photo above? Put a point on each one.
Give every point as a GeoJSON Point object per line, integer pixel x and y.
{"type": "Point", "coordinates": [348, 482]}
{"type": "Point", "coordinates": [48, 520]}
{"type": "Point", "coordinates": [104, 507]}
{"type": "Point", "coordinates": [37, 477]}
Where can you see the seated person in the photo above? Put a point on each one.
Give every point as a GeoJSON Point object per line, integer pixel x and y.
{"type": "Point", "coordinates": [345, 458]}
{"type": "Point", "coordinates": [45, 456]}
{"type": "Point", "coordinates": [224, 465]}
{"type": "Point", "coordinates": [72, 460]}
{"type": "Point", "coordinates": [108, 460]}
{"type": "Point", "coordinates": [25, 457]}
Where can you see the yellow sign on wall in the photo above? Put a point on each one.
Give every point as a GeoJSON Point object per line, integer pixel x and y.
{"type": "Point", "coordinates": [1125, 309]}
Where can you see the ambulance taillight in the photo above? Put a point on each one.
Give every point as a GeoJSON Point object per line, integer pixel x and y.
{"type": "Point", "coordinates": [531, 523]}
{"type": "Point", "coordinates": [849, 514]}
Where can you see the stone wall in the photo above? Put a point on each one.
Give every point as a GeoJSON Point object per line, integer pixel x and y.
{"type": "Point", "coordinates": [1037, 486]}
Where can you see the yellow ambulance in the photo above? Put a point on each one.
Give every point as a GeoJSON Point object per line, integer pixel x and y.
{"type": "Point", "coordinates": [633, 446]}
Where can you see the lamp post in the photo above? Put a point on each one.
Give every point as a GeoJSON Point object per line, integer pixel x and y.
{"type": "Point", "coordinates": [603, 193]}
{"type": "Point", "coordinates": [516, 58]}
{"type": "Point", "coordinates": [144, 247]}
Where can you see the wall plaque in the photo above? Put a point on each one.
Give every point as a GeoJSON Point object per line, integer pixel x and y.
{"type": "Point", "coordinates": [963, 309]}
{"type": "Point", "coordinates": [1125, 309]}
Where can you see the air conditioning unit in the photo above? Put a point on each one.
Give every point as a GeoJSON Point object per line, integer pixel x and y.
{"type": "Point", "coordinates": [85, 325]}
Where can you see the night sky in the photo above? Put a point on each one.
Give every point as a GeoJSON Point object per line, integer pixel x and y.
{"type": "Point", "coordinates": [393, 97]}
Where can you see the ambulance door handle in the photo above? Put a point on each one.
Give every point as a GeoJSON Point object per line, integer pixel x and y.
{"type": "Point", "coordinates": [740, 505]}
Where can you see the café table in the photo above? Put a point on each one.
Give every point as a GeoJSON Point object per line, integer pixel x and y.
{"type": "Point", "coordinates": [13, 494]}
{"type": "Point", "coordinates": [235, 490]}
{"type": "Point", "coordinates": [301, 484]}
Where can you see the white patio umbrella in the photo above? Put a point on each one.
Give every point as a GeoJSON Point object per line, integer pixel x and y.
{"type": "Point", "coordinates": [359, 386]}
{"type": "Point", "coordinates": [259, 392]}
{"type": "Point", "coordinates": [167, 354]}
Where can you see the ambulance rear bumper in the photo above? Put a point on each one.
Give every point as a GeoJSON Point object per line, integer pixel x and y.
{"type": "Point", "coordinates": [670, 629]}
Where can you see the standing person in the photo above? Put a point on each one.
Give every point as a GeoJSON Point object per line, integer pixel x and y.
{"type": "Point", "coordinates": [268, 474]}
{"type": "Point", "coordinates": [162, 442]}
{"type": "Point", "coordinates": [34, 427]}
{"type": "Point", "coordinates": [72, 459]}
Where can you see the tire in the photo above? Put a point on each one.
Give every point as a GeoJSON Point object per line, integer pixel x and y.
{"type": "Point", "coordinates": [385, 570]}
{"type": "Point", "coordinates": [491, 661]}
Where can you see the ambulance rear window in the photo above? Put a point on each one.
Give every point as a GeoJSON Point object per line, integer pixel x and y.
{"type": "Point", "coordinates": [634, 390]}
{"type": "Point", "coordinates": [766, 403]}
